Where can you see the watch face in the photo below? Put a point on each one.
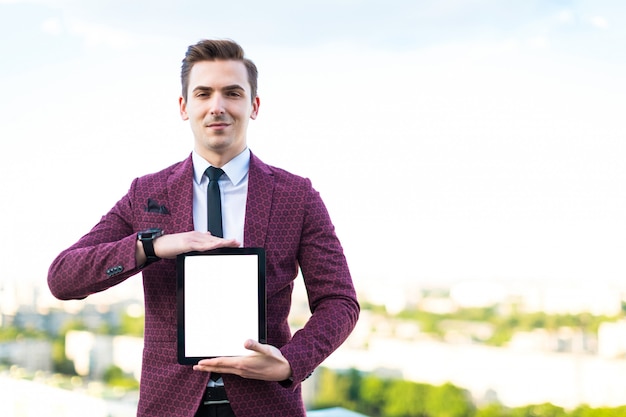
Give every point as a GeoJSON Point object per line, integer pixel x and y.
{"type": "Point", "coordinates": [150, 233]}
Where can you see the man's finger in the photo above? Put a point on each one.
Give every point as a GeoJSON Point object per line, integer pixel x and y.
{"type": "Point", "coordinates": [255, 346]}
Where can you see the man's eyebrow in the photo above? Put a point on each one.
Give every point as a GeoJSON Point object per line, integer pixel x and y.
{"type": "Point", "coordinates": [202, 88]}
{"type": "Point", "coordinates": [234, 87]}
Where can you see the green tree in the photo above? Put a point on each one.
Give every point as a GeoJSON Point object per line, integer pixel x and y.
{"type": "Point", "coordinates": [60, 363]}
{"type": "Point", "coordinates": [354, 378]}
{"type": "Point", "coordinates": [586, 411]}
{"type": "Point", "coordinates": [76, 324]}
{"type": "Point", "coordinates": [493, 410]}
{"type": "Point", "coordinates": [539, 410]}
{"type": "Point", "coordinates": [448, 400]}
{"type": "Point", "coordinates": [504, 324]}
{"type": "Point", "coordinates": [375, 396]}
{"type": "Point", "coordinates": [8, 333]}
{"type": "Point", "coordinates": [372, 395]}
{"type": "Point", "coordinates": [406, 399]}
{"type": "Point", "coordinates": [115, 376]}
{"type": "Point", "coordinates": [13, 333]}
{"type": "Point", "coordinates": [334, 390]}
{"type": "Point", "coordinates": [131, 325]}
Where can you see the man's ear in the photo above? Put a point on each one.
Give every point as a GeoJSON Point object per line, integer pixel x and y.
{"type": "Point", "coordinates": [255, 107]}
{"type": "Point", "coordinates": [183, 108]}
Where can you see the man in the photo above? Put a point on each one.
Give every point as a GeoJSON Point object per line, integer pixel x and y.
{"type": "Point", "coordinates": [165, 214]}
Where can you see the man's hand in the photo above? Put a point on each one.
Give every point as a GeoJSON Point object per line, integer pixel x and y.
{"type": "Point", "coordinates": [265, 363]}
{"type": "Point", "coordinates": [169, 246]}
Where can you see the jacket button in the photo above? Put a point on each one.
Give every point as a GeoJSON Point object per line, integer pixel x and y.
{"type": "Point", "coordinates": [115, 270]}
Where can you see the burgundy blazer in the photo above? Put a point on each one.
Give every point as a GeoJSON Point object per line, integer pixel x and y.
{"type": "Point", "coordinates": [284, 215]}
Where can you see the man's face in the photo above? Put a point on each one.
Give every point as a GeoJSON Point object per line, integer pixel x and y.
{"type": "Point", "coordinates": [218, 108]}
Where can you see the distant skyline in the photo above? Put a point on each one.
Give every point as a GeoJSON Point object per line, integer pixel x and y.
{"type": "Point", "coordinates": [492, 131]}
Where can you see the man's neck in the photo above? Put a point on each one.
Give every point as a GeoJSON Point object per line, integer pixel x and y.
{"type": "Point", "coordinates": [217, 159]}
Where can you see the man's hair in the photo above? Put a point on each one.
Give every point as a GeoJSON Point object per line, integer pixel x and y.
{"type": "Point", "coordinates": [213, 50]}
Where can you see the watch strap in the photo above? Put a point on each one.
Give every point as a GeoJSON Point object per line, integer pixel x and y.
{"type": "Point", "coordinates": [147, 238]}
{"type": "Point", "coordinates": [148, 248]}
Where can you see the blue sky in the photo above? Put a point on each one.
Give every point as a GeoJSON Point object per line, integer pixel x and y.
{"type": "Point", "coordinates": [492, 130]}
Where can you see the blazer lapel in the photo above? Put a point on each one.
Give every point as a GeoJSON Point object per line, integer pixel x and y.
{"type": "Point", "coordinates": [259, 203]}
{"type": "Point", "coordinates": [180, 196]}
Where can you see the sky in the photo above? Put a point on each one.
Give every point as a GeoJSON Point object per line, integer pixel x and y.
{"type": "Point", "coordinates": [451, 140]}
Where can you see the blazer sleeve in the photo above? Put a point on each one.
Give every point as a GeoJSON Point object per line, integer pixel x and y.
{"type": "Point", "coordinates": [101, 259]}
{"type": "Point", "coordinates": [332, 298]}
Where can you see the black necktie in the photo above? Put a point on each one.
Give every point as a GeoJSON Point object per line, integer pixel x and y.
{"type": "Point", "coordinates": [214, 203]}
{"type": "Point", "coordinates": [214, 207]}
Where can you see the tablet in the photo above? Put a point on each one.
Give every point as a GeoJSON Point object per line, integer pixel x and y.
{"type": "Point", "coordinates": [221, 302]}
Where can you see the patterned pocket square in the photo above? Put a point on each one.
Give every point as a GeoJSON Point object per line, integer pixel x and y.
{"type": "Point", "coordinates": [154, 207]}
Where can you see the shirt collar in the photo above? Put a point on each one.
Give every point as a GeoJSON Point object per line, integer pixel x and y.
{"type": "Point", "coordinates": [236, 169]}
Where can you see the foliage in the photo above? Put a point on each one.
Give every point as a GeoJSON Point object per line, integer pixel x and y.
{"type": "Point", "coordinates": [115, 376]}
{"type": "Point", "coordinates": [505, 324]}
{"type": "Point", "coordinates": [372, 395]}
{"type": "Point", "coordinates": [405, 398]}
{"type": "Point", "coordinates": [448, 400]}
{"type": "Point", "coordinates": [539, 410]}
{"type": "Point", "coordinates": [375, 308]}
{"type": "Point", "coordinates": [131, 325]}
{"type": "Point", "coordinates": [12, 334]}
{"type": "Point", "coordinates": [375, 396]}
{"type": "Point", "coordinates": [70, 325]}
{"type": "Point", "coordinates": [60, 363]}
{"type": "Point", "coordinates": [493, 410]}
{"type": "Point", "coordinates": [586, 411]}
{"type": "Point", "coordinates": [337, 389]}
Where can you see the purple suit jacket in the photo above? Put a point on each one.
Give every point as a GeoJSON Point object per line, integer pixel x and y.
{"type": "Point", "coordinates": [284, 215]}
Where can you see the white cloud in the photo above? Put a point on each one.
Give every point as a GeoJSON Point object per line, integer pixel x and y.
{"type": "Point", "coordinates": [599, 22]}
{"type": "Point", "coordinates": [52, 26]}
{"type": "Point", "coordinates": [565, 16]}
{"type": "Point", "coordinates": [50, 3]}
{"type": "Point", "coordinates": [95, 34]}
{"type": "Point", "coordinates": [539, 42]}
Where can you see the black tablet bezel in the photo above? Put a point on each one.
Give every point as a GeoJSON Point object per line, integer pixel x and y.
{"type": "Point", "coordinates": [180, 298]}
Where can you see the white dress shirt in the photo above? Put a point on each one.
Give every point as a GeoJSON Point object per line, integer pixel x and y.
{"type": "Point", "coordinates": [233, 192]}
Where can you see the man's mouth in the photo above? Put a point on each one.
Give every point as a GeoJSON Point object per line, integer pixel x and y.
{"type": "Point", "coordinates": [220, 125]}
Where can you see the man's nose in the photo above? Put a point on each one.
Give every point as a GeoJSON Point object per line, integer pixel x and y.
{"type": "Point", "coordinates": [217, 104]}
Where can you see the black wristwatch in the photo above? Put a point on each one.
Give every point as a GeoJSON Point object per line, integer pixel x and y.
{"type": "Point", "coordinates": [147, 238]}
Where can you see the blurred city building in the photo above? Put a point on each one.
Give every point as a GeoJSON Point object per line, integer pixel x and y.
{"type": "Point", "coordinates": [565, 366]}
